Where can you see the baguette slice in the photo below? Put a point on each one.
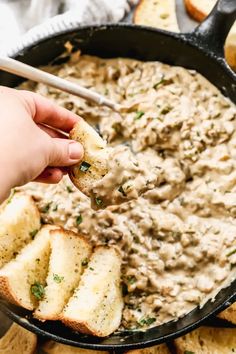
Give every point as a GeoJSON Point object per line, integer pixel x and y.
{"type": "Point", "coordinates": [22, 279]}
{"type": "Point", "coordinates": [69, 254]}
{"type": "Point", "coordinates": [157, 13]}
{"type": "Point", "coordinates": [157, 349]}
{"type": "Point", "coordinates": [18, 340]}
{"type": "Point", "coordinates": [58, 348]}
{"type": "Point", "coordinates": [96, 306]}
{"type": "Point", "coordinates": [229, 314]}
{"type": "Point", "coordinates": [207, 340]}
{"type": "Point", "coordinates": [199, 10]}
{"type": "Point", "coordinates": [94, 164]}
{"type": "Point", "coordinates": [19, 221]}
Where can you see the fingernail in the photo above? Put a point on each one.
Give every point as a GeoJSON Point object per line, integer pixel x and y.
{"type": "Point", "coordinates": [75, 151]}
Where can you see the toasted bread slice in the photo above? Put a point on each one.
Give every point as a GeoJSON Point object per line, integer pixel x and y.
{"type": "Point", "coordinates": [157, 13]}
{"type": "Point", "coordinates": [208, 340]}
{"type": "Point", "coordinates": [69, 255]}
{"type": "Point", "coordinates": [157, 349]}
{"type": "Point", "coordinates": [94, 164]}
{"type": "Point", "coordinates": [96, 306]}
{"type": "Point", "coordinates": [22, 280]}
{"type": "Point", "coordinates": [18, 340]}
{"type": "Point", "coordinates": [229, 314]}
{"type": "Point", "coordinates": [19, 221]}
{"type": "Point", "coordinates": [199, 10]}
{"type": "Point", "coordinates": [57, 348]}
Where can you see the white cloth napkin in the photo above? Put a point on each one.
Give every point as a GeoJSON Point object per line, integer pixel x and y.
{"type": "Point", "coordinates": [24, 21]}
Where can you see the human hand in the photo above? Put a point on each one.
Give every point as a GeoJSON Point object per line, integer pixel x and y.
{"type": "Point", "coordinates": [29, 148]}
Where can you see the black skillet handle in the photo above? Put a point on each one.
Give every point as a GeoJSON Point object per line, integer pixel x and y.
{"type": "Point", "coordinates": [211, 34]}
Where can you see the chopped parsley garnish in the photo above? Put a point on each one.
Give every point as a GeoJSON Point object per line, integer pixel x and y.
{"type": "Point", "coordinates": [121, 190]}
{"type": "Point", "coordinates": [146, 321]}
{"type": "Point", "coordinates": [79, 219]}
{"type": "Point", "coordinates": [188, 352]}
{"type": "Point", "coordinates": [84, 167]}
{"type": "Point", "coordinates": [98, 201]}
{"type": "Point", "coordinates": [139, 115]}
{"type": "Point", "coordinates": [162, 80]}
{"type": "Point", "coordinates": [106, 92]}
{"type": "Point", "coordinates": [46, 208]}
{"type": "Point", "coordinates": [33, 233]}
{"type": "Point", "coordinates": [37, 290]}
{"type": "Point", "coordinates": [91, 268]}
{"type": "Point", "coordinates": [131, 279]}
{"type": "Point", "coordinates": [69, 189]}
{"type": "Point", "coordinates": [84, 262]}
{"type": "Point", "coordinates": [231, 253]}
{"type": "Point", "coordinates": [57, 278]}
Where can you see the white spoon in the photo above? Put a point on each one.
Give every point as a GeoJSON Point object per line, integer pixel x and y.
{"type": "Point", "coordinates": [18, 68]}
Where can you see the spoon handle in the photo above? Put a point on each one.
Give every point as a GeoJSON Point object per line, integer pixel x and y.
{"type": "Point", "coordinates": [18, 68]}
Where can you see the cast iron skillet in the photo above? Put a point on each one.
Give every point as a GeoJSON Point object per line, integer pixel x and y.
{"type": "Point", "coordinates": [201, 50]}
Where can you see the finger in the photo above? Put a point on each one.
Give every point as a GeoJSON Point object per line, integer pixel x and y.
{"type": "Point", "coordinates": [50, 175]}
{"type": "Point", "coordinates": [52, 132]}
{"type": "Point", "coordinates": [46, 112]}
{"type": "Point", "coordinates": [64, 152]}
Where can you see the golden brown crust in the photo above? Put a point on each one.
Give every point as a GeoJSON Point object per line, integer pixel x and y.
{"type": "Point", "coordinates": [58, 348]}
{"type": "Point", "coordinates": [8, 294]}
{"type": "Point", "coordinates": [45, 318]}
{"type": "Point", "coordinates": [229, 314]}
{"type": "Point", "coordinates": [207, 340]}
{"type": "Point", "coordinates": [70, 232]}
{"type": "Point", "coordinates": [230, 48]}
{"type": "Point", "coordinates": [194, 11]}
{"type": "Point", "coordinates": [82, 327]}
{"type": "Point", "coordinates": [156, 349]}
{"type": "Point", "coordinates": [137, 12]}
{"type": "Point", "coordinates": [18, 340]}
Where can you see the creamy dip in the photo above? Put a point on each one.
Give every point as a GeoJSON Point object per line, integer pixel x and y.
{"type": "Point", "coordinates": [172, 166]}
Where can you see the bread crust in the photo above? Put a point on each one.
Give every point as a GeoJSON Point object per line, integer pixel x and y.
{"type": "Point", "coordinates": [18, 340]}
{"type": "Point", "coordinates": [194, 11]}
{"type": "Point", "coordinates": [207, 340]}
{"type": "Point", "coordinates": [156, 349]}
{"type": "Point", "coordinates": [51, 347]}
{"type": "Point", "coordinates": [229, 314]}
{"type": "Point", "coordinates": [8, 294]}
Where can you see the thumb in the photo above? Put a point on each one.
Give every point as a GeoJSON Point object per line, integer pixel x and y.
{"type": "Point", "coordinates": [64, 152]}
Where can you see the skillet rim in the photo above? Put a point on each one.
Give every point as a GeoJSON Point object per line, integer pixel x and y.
{"type": "Point", "coordinates": [186, 38]}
